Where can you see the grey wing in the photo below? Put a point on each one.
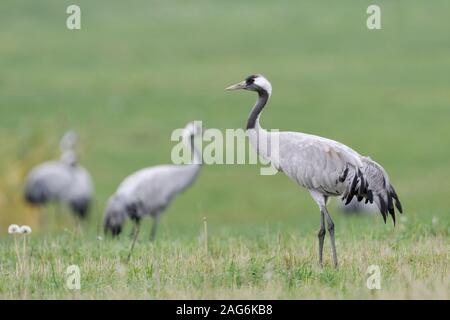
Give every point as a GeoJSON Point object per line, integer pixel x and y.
{"type": "Point", "coordinates": [155, 192]}
{"type": "Point", "coordinates": [317, 164]}
{"type": "Point", "coordinates": [81, 184]}
{"type": "Point", "coordinates": [158, 188]}
{"type": "Point", "coordinates": [47, 182]}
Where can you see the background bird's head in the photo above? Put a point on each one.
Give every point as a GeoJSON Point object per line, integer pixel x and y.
{"type": "Point", "coordinates": [255, 82]}
{"type": "Point", "coordinates": [115, 215]}
{"type": "Point", "coordinates": [192, 129]}
{"type": "Point", "coordinates": [68, 141]}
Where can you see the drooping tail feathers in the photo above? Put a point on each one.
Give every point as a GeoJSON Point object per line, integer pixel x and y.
{"type": "Point", "coordinates": [371, 182]}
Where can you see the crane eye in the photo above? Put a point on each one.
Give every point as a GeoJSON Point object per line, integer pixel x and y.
{"type": "Point", "coordinates": [249, 81]}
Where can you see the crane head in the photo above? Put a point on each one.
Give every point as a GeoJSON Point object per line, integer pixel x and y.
{"type": "Point", "coordinates": [68, 141]}
{"type": "Point", "coordinates": [255, 82]}
{"type": "Point", "coordinates": [193, 128]}
{"type": "Point", "coordinates": [115, 215]}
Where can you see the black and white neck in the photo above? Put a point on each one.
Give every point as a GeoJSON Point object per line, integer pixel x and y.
{"type": "Point", "coordinates": [263, 87]}
{"type": "Point", "coordinates": [253, 119]}
{"type": "Point", "coordinates": [196, 154]}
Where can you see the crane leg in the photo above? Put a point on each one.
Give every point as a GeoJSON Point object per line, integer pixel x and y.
{"type": "Point", "coordinates": [330, 226]}
{"type": "Point", "coordinates": [136, 228]}
{"type": "Point", "coordinates": [154, 228]}
{"type": "Point", "coordinates": [321, 236]}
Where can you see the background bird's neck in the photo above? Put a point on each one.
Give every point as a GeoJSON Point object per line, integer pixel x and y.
{"type": "Point", "coordinates": [196, 155]}
{"type": "Point", "coordinates": [69, 158]}
{"type": "Point", "coordinates": [190, 171]}
{"type": "Point", "coordinates": [253, 119]}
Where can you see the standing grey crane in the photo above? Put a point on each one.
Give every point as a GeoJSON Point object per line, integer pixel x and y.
{"type": "Point", "coordinates": [326, 168]}
{"type": "Point", "coordinates": [149, 191]}
{"type": "Point", "coordinates": [63, 181]}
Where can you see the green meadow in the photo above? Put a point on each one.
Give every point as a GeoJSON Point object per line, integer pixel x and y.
{"type": "Point", "coordinates": [138, 70]}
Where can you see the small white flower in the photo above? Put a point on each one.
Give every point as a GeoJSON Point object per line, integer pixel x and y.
{"type": "Point", "coordinates": [25, 229]}
{"type": "Point", "coordinates": [99, 238]}
{"type": "Point", "coordinates": [435, 220]}
{"type": "Point", "coordinates": [14, 228]}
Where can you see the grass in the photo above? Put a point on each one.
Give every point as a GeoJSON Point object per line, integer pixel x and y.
{"type": "Point", "coordinates": [136, 72]}
{"type": "Point", "coordinates": [271, 265]}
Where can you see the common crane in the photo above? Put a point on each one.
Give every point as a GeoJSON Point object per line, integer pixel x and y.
{"type": "Point", "coordinates": [149, 191]}
{"type": "Point", "coordinates": [326, 168]}
{"type": "Point", "coordinates": [63, 181]}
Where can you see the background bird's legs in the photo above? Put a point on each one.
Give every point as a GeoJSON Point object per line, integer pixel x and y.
{"type": "Point", "coordinates": [321, 235]}
{"type": "Point", "coordinates": [136, 228]}
{"type": "Point", "coordinates": [330, 227]}
{"type": "Point", "coordinates": [154, 227]}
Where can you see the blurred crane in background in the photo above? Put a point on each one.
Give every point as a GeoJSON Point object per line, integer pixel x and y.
{"type": "Point", "coordinates": [149, 191]}
{"type": "Point", "coordinates": [325, 167]}
{"type": "Point", "coordinates": [63, 181]}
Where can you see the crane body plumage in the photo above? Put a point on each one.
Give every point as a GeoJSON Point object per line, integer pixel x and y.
{"type": "Point", "coordinates": [319, 165]}
{"type": "Point", "coordinates": [150, 191]}
{"type": "Point", "coordinates": [324, 167]}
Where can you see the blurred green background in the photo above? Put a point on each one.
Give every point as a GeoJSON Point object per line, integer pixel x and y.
{"type": "Point", "coordinates": [139, 69]}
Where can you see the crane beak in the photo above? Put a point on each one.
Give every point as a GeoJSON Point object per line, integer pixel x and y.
{"type": "Point", "coordinates": [237, 86]}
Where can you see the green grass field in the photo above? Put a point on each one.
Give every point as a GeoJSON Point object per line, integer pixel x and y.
{"type": "Point", "coordinates": [136, 71]}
